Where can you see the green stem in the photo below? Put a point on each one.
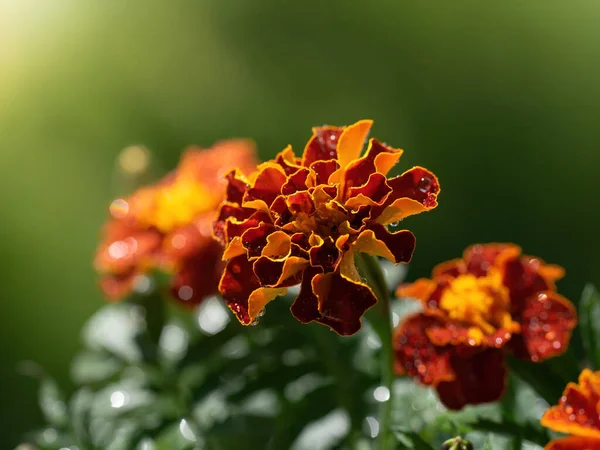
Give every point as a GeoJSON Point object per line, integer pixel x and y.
{"type": "Point", "coordinates": [155, 315]}
{"type": "Point", "coordinates": [380, 319]}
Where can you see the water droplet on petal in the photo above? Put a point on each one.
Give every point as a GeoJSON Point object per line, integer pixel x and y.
{"type": "Point", "coordinates": [424, 184]}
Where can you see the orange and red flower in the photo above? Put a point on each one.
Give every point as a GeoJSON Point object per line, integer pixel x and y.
{"type": "Point", "coordinates": [578, 414]}
{"type": "Point", "coordinates": [492, 299]}
{"type": "Point", "coordinates": [302, 220]}
{"type": "Point", "coordinates": [167, 226]}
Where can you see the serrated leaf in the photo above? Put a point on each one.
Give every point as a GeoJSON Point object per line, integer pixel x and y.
{"type": "Point", "coordinates": [589, 323]}
{"type": "Point", "coordinates": [52, 403]}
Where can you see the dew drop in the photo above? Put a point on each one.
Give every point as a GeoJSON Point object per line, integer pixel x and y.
{"type": "Point", "coordinates": [424, 184]}
{"type": "Point", "coordinates": [261, 313]}
{"type": "Point", "coordinates": [254, 322]}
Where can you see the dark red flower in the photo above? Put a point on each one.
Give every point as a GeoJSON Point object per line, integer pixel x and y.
{"type": "Point", "coordinates": [302, 220]}
{"type": "Point", "coordinates": [168, 226]}
{"type": "Point", "coordinates": [492, 299]}
{"type": "Point", "coordinates": [578, 414]}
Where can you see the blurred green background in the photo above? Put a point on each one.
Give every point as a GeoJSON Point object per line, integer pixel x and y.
{"type": "Point", "coordinates": [500, 99]}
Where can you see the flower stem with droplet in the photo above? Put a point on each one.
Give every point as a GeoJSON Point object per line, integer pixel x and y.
{"type": "Point", "coordinates": [380, 319]}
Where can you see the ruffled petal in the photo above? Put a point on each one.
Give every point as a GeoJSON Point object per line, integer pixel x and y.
{"type": "Point", "coordinates": [371, 193]}
{"type": "Point", "coordinates": [480, 378]}
{"type": "Point", "coordinates": [417, 356]}
{"type": "Point", "coordinates": [481, 257]}
{"type": "Point", "coordinates": [236, 285]}
{"type": "Point", "coordinates": [229, 211]}
{"type": "Point", "coordinates": [378, 158]}
{"type": "Point", "coordinates": [547, 321]}
{"type": "Point", "coordinates": [578, 409]}
{"type": "Point", "coordinates": [413, 192]}
{"type": "Point", "coordinates": [574, 443]}
{"type": "Point", "coordinates": [523, 279]}
{"type": "Point", "coordinates": [324, 169]}
{"type": "Point", "coordinates": [322, 146]}
{"type": "Point", "coordinates": [456, 333]}
{"type": "Point", "coordinates": [298, 181]}
{"type": "Point", "coordinates": [242, 291]}
{"type": "Point", "coordinates": [259, 298]}
{"type": "Point", "coordinates": [401, 243]}
{"type": "Point", "coordinates": [306, 306]}
{"type": "Point", "coordinates": [284, 273]}
{"type": "Point", "coordinates": [352, 140]}
{"type": "Point", "coordinates": [342, 302]}
{"type": "Point", "coordinates": [288, 161]}
{"type": "Point", "coordinates": [421, 289]}
{"type": "Point", "coordinates": [325, 255]}
{"type": "Point", "coordinates": [266, 188]}
{"type": "Point", "coordinates": [236, 187]}
{"type": "Point", "coordinates": [452, 269]}
{"type": "Point", "coordinates": [254, 240]}
{"type": "Point", "coordinates": [199, 276]}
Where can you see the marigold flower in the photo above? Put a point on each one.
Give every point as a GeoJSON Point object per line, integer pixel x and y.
{"type": "Point", "coordinates": [302, 220]}
{"type": "Point", "coordinates": [577, 414]}
{"type": "Point", "coordinates": [167, 226]}
{"type": "Point", "coordinates": [492, 299]}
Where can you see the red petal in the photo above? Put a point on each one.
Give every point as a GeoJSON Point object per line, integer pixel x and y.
{"type": "Point", "coordinates": [236, 285]}
{"type": "Point", "coordinates": [301, 202]}
{"type": "Point", "coordinates": [296, 182]}
{"type": "Point", "coordinates": [267, 186]}
{"type": "Point", "coordinates": [375, 189]}
{"type": "Point", "coordinates": [323, 170]}
{"type": "Point", "coordinates": [574, 443]}
{"type": "Point", "coordinates": [229, 211]}
{"type": "Point", "coordinates": [480, 257]}
{"type": "Point", "coordinates": [237, 229]}
{"type": "Point", "coordinates": [417, 184]}
{"type": "Point", "coordinates": [452, 269]}
{"type": "Point", "coordinates": [288, 161]}
{"type": "Point", "coordinates": [342, 302]}
{"type": "Point", "coordinates": [359, 218]}
{"type": "Point", "coordinates": [546, 324]}
{"type": "Point", "coordinates": [401, 243]}
{"type": "Point", "coordinates": [417, 356]}
{"type": "Point", "coordinates": [523, 281]}
{"type": "Point", "coordinates": [322, 145]}
{"type": "Point", "coordinates": [480, 378]}
{"type": "Point", "coordinates": [325, 255]}
{"type": "Point", "coordinates": [199, 276]}
{"type": "Point", "coordinates": [255, 239]}
{"type": "Point", "coordinates": [236, 187]}
{"type": "Point", "coordinates": [577, 411]}
{"type": "Point", "coordinates": [306, 306]}
{"type": "Point", "coordinates": [357, 173]}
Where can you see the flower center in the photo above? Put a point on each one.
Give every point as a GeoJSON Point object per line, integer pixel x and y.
{"type": "Point", "coordinates": [177, 204]}
{"type": "Point", "coordinates": [480, 301]}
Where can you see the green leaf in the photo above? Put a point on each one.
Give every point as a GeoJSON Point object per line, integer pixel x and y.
{"type": "Point", "coordinates": [94, 367]}
{"type": "Point", "coordinates": [508, 428]}
{"type": "Point", "coordinates": [540, 376]}
{"type": "Point", "coordinates": [52, 403]}
{"type": "Point", "coordinates": [589, 324]}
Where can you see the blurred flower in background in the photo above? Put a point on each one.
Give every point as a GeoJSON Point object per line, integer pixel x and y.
{"type": "Point", "coordinates": [577, 414]}
{"type": "Point", "coordinates": [492, 298]}
{"type": "Point", "coordinates": [167, 226]}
